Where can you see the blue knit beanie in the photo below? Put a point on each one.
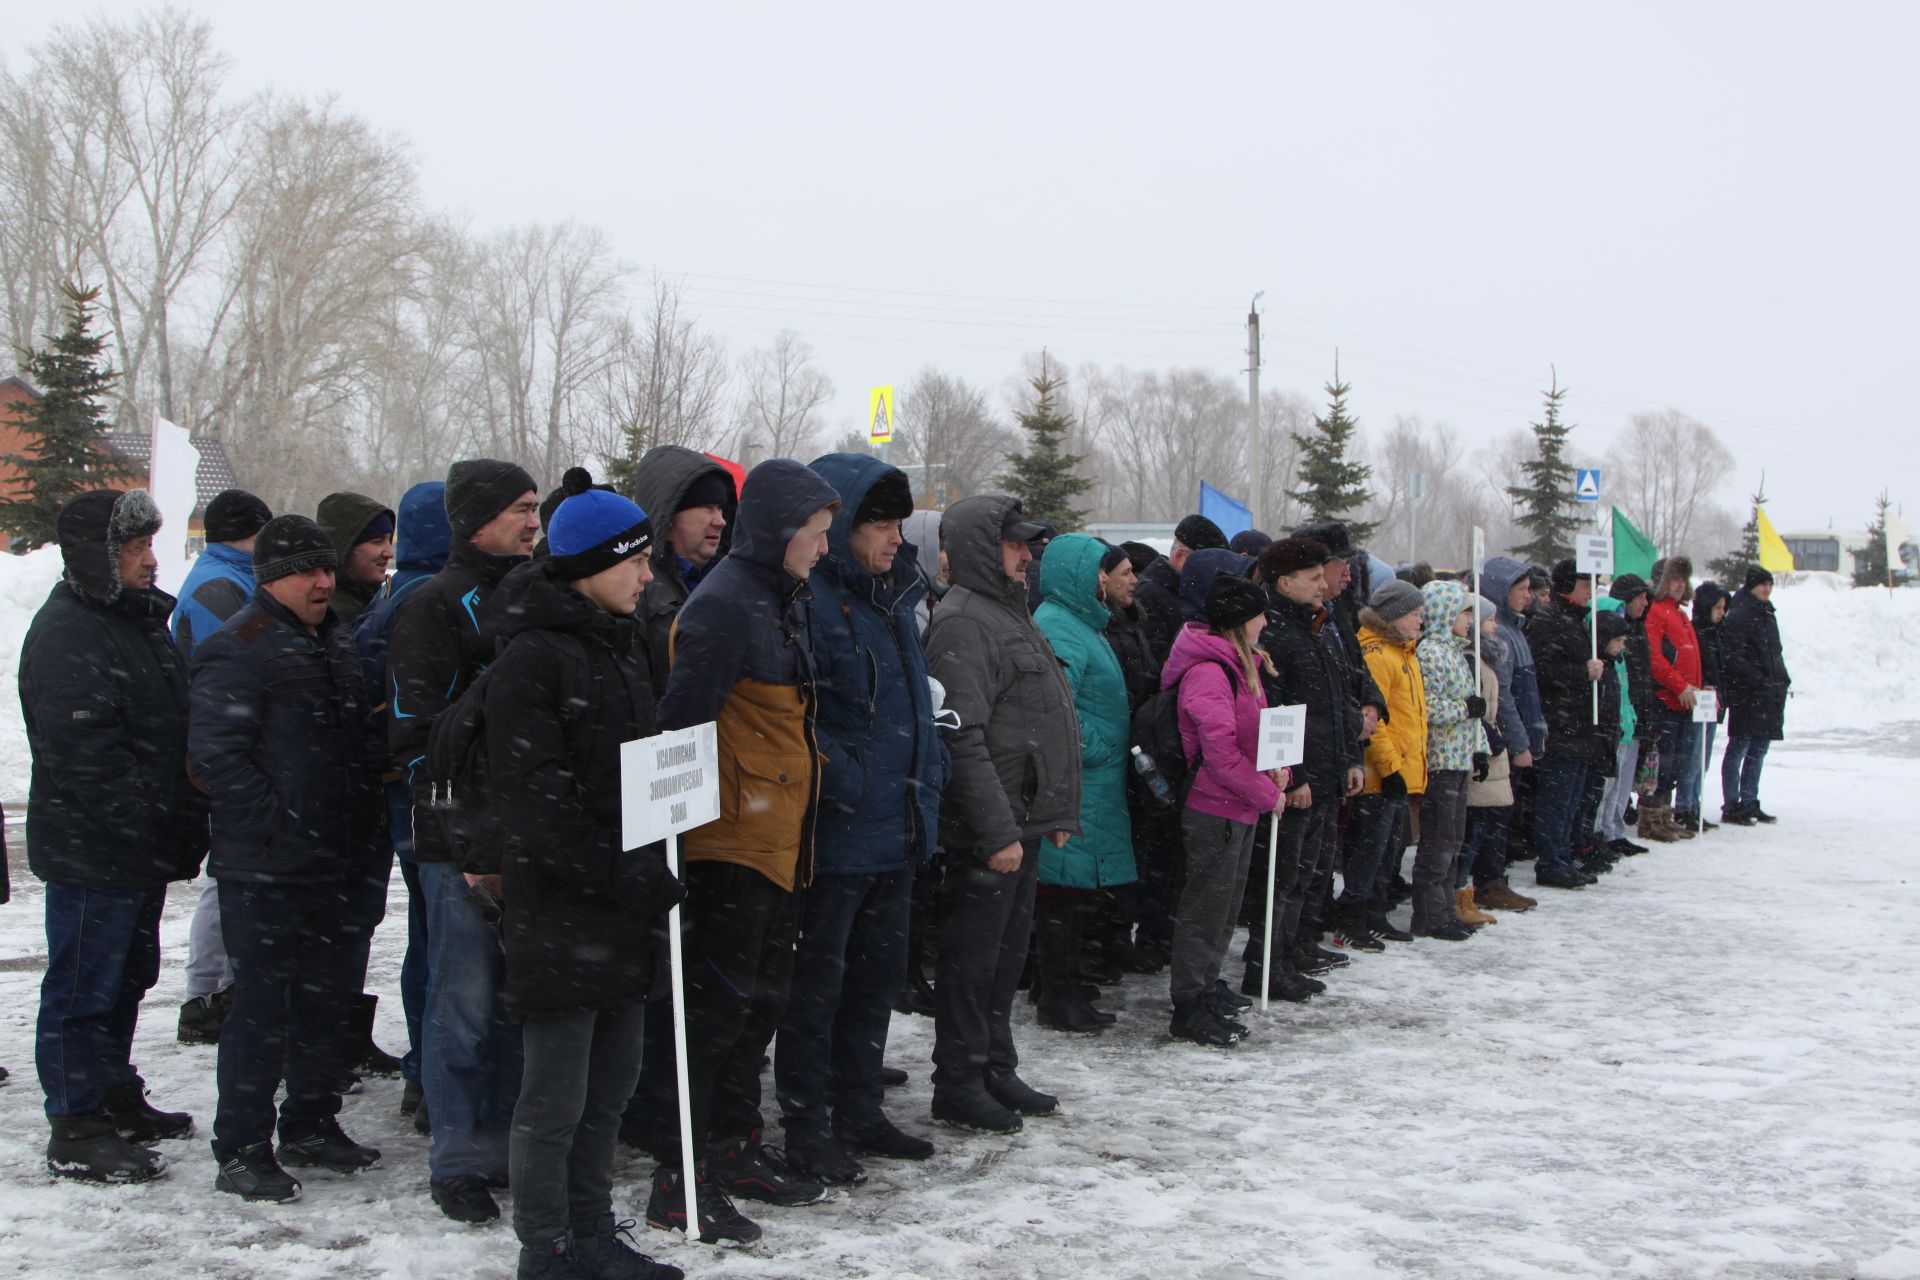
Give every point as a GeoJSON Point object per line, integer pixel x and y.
{"type": "Point", "coordinates": [594, 531]}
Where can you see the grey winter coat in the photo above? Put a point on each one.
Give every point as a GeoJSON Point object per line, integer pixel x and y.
{"type": "Point", "coordinates": [1016, 755]}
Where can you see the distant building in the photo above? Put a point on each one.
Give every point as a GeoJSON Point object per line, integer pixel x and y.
{"type": "Point", "coordinates": [136, 447]}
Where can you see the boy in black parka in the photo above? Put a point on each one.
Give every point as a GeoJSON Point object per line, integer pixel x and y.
{"type": "Point", "coordinates": [582, 914]}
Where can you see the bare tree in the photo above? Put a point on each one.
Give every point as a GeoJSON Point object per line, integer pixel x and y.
{"type": "Point", "coordinates": [666, 385]}
{"type": "Point", "coordinates": [780, 396]}
{"type": "Point", "coordinates": [945, 428]}
{"type": "Point", "coordinates": [1663, 472]}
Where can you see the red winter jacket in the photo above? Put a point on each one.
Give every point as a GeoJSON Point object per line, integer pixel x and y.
{"type": "Point", "coordinates": [1675, 651]}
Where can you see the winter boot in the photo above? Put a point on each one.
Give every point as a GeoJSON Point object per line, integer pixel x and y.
{"type": "Point", "coordinates": [1062, 1004]}
{"type": "Point", "coordinates": [1294, 988]}
{"type": "Point", "coordinates": [1198, 1023]}
{"type": "Point", "coordinates": [1016, 1095]}
{"type": "Point", "coordinates": [90, 1149]}
{"type": "Point", "coordinates": [1656, 824]}
{"type": "Point", "coordinates": [1736, 816]}
{"type": "Point", "coordinates": [978, 1111]}
{"type": "Point", "coordinates": [1625, 848]}
{"type": "Point", "coordinates": [137, 1121]}
{"type": "Point", "coordinates": [880, 1138]}
{"type": "Point", "coordinates": [1446, 931]}
{"type": "Point", "coordinates": [200, 1018]}
{"type": "Point", "coordinates": [748, 1168]}
{"type": "Point", "coordinates": [607, 1251]}
{"type": "Point", "coordinates": [1470, 913]}
{"type": "Point", "coordinates": [365, 1055]}
{"type": "Point", "coordinates": [1760, 815]}
{"type": "Point", "coordinates": [324, 1146]}
{"type": "Point", "coordinates": [827, 1162]}
{"type": "Point", "coordinates": [465, 1198]}
{"type": "Point", "coordinates": [553, 1259]}
{"type": "Point", "coordinates": [1498, 895]}
{"type": "Point", "coordinates": [253, 1174]}
{"type": "Point", "coordinates": [719, 1220]}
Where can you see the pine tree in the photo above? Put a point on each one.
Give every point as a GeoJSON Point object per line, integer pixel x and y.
{"type": "Point", "coordinates": [1043, 477]}
{"type": "Point", "coordinates": [66, 453]}
{"type": "Point", "coordinates": [1331, 483]}
{"type": "Point", "coordinates": [1731, 569]}
{"type": "Point", "coordinates": [1870, 563]}
{"type": "Point", "coordinates": [1546, 498]}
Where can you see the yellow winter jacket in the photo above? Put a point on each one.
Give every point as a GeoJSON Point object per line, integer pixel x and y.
{"type": "Point", "coordinates": [1399, 745]}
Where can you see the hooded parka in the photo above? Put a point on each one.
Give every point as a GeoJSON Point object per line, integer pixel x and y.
{"type": "Point", "coordinates": [344, 516]}
{"type": "Point", "coordinates": [1446, 668]}
{"type": "Point", "coordinates": [1753, 669]}
{"type": "Point", "coordinates": [1074, 619]}
{"type": "Point", "coordinates": [1399, 745]}
{"type": "Point", "coordinates": [660, 481]}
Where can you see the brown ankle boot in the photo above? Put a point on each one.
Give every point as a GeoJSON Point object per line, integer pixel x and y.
{"type": "Point", "coordinates": [1469, 913]}
{"type": "Point", "coordinates": [1498, 895]}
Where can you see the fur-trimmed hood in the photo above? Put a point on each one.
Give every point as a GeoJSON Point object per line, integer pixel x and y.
{"type": "Point", "coordinates": [92, 528]}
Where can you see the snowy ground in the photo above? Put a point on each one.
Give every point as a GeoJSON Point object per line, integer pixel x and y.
{"type": "Point", "coordinates": [1708, 1066]}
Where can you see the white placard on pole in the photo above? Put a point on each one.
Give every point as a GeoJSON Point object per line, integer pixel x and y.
{"type": "Point", "coordinates": [1593, 553]}
{"type": "Point", "coordinates": [1706, 706]}
{"type": "Point", "coordinates": [668, 784]}
{"type": "Point", "coordinates": [1273, 875]}
{"type": "Point", "coordinates": [1283, 737]}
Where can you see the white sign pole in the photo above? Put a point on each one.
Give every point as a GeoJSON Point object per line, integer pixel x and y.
{"type": "Point", "coordinates": [1479, 559]}
{"type": "Point", "coordinates": [1706, 712]}
{"type": "Point", "coordinates": [1273, 874]}
{"type": "Point", "coordinates": [689, 1167]}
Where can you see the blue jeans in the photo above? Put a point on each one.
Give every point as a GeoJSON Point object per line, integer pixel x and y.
{"type": "Point", "coordinates": [1740, 771]}
{"type": "Point", "coordinates": [1687, 799]}
{"type": "Point", "coordinates": [849, 965]}
{"type": "Point", "coordinates": [1483, 851]}
{"type": "Point", "coordinates": [470, 1054]}
{"type": "Point", "coordinates": [103, 956]}
{"type": "Point", "coordinates": [1679, 741]}
{"type": "Point", "coordinates": [1558, 784]}
{"type": "Point", "coordinates": [294, 965]}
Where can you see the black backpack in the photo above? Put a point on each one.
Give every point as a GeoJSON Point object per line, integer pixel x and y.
{"type": "Point", "coordinates": [460, 776]}
{"type": "Point", "coordinates": [1156, 731]}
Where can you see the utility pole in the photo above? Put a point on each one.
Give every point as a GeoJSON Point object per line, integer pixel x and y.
{"type": "Point", "coordinates": [1255, 450]}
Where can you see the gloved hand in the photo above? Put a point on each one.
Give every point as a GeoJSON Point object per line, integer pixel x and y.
{"type": "Point", "coordinates": [1481, 763]}
{"type": "Point", "coordinates": [1476, 707]}
{"type": "Point", "coordinates": [1393, 785]}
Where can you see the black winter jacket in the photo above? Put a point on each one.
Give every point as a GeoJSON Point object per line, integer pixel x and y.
{"type": "Point", "coordinates": [1127, 636]}
{"type": "Point", "coordinates": [663, 477]}
{"type": "Point", "coordinates": [1158, 598]}
{"type": "Point", "coordinates": [1307, 671]}
{"type": "Point", "coordinates": [584, 919]}
{"type": "Point", "coordinates": [1016, 755]}
{"type": "Point", "coordinates": [290, 750]}
{"type": "Point", "coordinates": [434, 651]}
{"type": "Point", "coordinates": [1562, 645]}
{"type": "Point", "coordinates": [111, 804]}
{"type": "Point", "coordinates": [1753, 670]}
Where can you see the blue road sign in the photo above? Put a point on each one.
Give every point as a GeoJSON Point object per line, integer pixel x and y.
{"type": "Point", "coordinates": [1586, 484]}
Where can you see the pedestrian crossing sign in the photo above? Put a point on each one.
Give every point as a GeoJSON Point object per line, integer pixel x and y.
{"type": "Point", "coordinates": [1586, 484]}
{"type": "Point", "coordinates": [880, 415]}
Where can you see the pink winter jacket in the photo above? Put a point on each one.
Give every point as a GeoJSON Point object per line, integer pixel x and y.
{"type": "Point", "coordinates": [1219, 722]}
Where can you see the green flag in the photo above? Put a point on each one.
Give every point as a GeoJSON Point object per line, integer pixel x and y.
{"type": "Point", "coordinates": [1632, 552]}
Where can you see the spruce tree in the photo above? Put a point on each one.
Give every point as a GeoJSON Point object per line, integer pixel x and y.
{"type": "Point", "coordinates": [1731, 569]}
{"type": "Point", "coordinates": [1331, 483]}
{"type": "Point", "coordinates": [66, 451]}
{"type": "Point", "coordinates": [1043, 477]}
{"type": "Point", "coordinates": [1546, 499]}
{"type": "Point", "coordinates": [1870, 563]}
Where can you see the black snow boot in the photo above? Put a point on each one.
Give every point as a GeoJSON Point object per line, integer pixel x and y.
{"type": "Point", "coordinates": [1015, 1094]}
{"type": "Point", "coordinates": [828, 1162]}
{"type": "Point", "coordinates": [324, 1146]}
{"type": "Point", "coordinates": [136, 1119]}
{"type": "Point", "coordinates": [607, 1251]}
{"type": "Point", "coordinates": [253, 1174]}
{"type": "Point", "coordinates": [1061, 1002]}
{"type": "Point", "coordinates": [977, 1110]}
{"type": "Point", "coordinates": [1198, 1023]}
{"type": "Point", "coordinates": [1736, 816]}
{"type": "Point", "coordinates": [1760, 815]}
{"type": "Point", "coordinates": [880, 1138]}
{"type": "Point", "coordinates": [719, 1220]}
{"type": "Point", "coordinates": [364, 1054]}
{"type": "Point", "coordinates": [90, 1149]}
{"type": "Point", "coordinates": [554, 1259]}
{"type": "Point", "coordinates": [1227, 1002]}
{"type": "Point", "coordinates": [465, 1198]}
{"type": "Point", "coordinates": [750, 1169]}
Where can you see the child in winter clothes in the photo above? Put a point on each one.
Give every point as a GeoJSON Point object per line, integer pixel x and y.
{"type": "Point", "coordinates": [1456, 749]}
{"type": "Point", "coordinates": [1396, 761]}
{"type": "Point", "coordinates": [1481, 884]}
{"type": "Point", "coordinates": [1216, 666]}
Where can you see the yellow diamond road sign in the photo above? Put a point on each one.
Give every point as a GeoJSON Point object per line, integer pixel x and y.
{"type": "Point", "coordinates": [880, 415]}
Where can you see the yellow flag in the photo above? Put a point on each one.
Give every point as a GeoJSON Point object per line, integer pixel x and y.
{"type": "Point", "coordinates": [1774, 556]}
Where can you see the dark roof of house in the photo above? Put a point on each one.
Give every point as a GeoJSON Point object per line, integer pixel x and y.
{"type": "Point", "coordinates": [15, 380]}
{"type": "Point", "coordinates": [216, 469]}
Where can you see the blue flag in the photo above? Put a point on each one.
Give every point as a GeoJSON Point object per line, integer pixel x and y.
{"type": "Point", "coordinates": [1230, 514]}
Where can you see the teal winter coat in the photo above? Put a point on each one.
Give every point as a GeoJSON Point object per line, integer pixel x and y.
{"type": "Point", "coordinates": [1074, 620]}
{"type": "Point", "coordinates": [1446, 667]}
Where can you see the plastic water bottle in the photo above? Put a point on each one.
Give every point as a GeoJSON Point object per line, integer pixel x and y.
{"type": "Point", "coordinates": [1151, 777]}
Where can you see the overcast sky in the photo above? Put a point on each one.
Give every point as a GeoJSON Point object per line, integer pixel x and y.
{"type": "Point", "coordinates": [1712, 207]}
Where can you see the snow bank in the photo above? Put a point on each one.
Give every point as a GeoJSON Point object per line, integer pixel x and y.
{"type": "Point", "coordinates": [1854, 653]}
{"type": "Point", "coordinates": [24, 583]}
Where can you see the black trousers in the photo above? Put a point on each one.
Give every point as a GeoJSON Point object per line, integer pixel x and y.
{"type": "Point", "coordinates": [986, 926]}
{"type": "Point", "coordinates": [1302, 831]}
{"type": "Point", "coordinates": [295, 976]}
{"type": "Point", "coordinates": [1157, 851]}
{"type": "Point", "coordinates": [737, 944]}
{"type": "Point", "coordinates": [580, 1068]}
